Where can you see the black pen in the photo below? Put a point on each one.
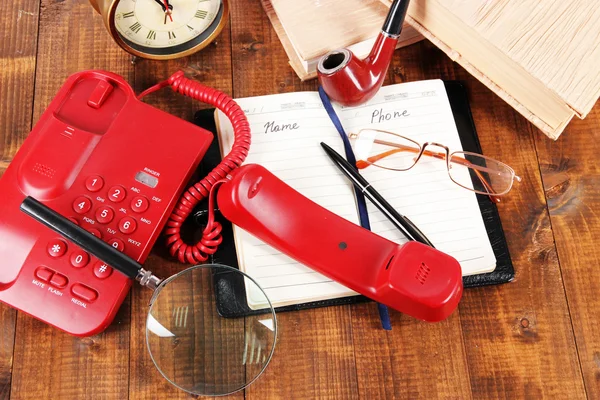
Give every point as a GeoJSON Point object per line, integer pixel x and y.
{"type": "Point", "coordinates": [401, 222]}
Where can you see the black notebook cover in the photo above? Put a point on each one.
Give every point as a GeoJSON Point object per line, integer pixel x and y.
{"type": "Point", "coordinates": [231, 296]}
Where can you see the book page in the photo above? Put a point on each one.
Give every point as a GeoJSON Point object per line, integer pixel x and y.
{"type": "Point", "coordinates": [446, 213]}
{"type": "Point", "coordinates": [286, 132]}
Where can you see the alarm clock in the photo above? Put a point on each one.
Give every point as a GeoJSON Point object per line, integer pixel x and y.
{"type": "Point", "coordinates": [163, 29]}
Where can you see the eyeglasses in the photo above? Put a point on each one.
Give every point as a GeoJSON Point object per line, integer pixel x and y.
{"type": "Point", "coordinates": [472, 171]}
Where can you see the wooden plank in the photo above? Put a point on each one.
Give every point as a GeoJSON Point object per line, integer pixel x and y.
{"type": "Point", "coordinates": [416, 359]}
{"type": "Point", "coordinates": [211, 67]}
{"type": "Point", "coordinates": [19, 22]}
{"type": "Point", "coordinates": [314, 357]}
{"type": "Point", "coordinates": [518, 336]}
{"type": "Point", "coordinates": [571, 179]}
{"type": "Point", "coordinates": [47, 362]}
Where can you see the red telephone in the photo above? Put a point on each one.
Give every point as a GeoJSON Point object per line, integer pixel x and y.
{"type": "Point", "coordinates": [116, 167]}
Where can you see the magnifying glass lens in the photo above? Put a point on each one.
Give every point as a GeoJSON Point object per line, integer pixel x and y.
{"type": "Point", "coordinates": [203, 343]}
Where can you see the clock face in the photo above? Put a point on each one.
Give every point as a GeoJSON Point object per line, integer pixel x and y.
{"type": "Point", "coordinates": [162, 27]}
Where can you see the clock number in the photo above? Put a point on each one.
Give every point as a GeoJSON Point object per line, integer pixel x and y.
{"type": "Point", "coordinates": [136, 27]}
{"type": "Point", "coordinates": [172, 35]}
{"type": "Point", "coordinates": [151, 35]}
{"type": "Point", "coordinates": [201, 14]}
{"type": "Point", "coordinates": [127, 15]}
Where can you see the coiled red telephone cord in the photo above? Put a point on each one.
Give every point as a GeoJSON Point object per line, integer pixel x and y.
{"type": "Point", "coordinates": [211, 235]}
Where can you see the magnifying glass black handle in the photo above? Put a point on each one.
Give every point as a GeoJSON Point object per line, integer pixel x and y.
{"type": "Point", "coordinates": [82, 238]}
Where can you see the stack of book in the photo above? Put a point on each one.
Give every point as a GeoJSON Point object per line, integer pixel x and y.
{"type": "Point", "coordinates": [541, 57]}
{"type": "Point", "coordinates": [310, 28]}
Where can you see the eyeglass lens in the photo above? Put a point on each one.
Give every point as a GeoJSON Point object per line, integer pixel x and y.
{"type": "Point", "coordinates": [479, 173]}
{"type": "Point", "coordinates": [386, 150]}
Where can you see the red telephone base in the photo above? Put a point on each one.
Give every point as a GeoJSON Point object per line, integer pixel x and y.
{"type": "Point", "coordinates": [114, 165]}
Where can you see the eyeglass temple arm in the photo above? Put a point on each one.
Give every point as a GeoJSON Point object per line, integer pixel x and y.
{"type": "Point", "coordinates": [360, 164]}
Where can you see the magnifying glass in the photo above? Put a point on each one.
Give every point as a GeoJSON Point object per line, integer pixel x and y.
{"type": "Point", "coordinates": [194, 342]}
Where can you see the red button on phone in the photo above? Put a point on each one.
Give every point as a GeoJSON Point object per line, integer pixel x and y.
{"type": "Point", "coordinates": [101, 270]}
{"type": "Point", "coordinates": [127, 225]}
{"type": "Point", "coordinates": [58, 280]}
{"type": "Point", "coordinates": [117, 193]}
{"type": "Point", "coordinates": [84, 292]}
{"type": "Point", "coordinates": [104, 214]}
{"type": "Point", "coordinates": [82, 204]}
{"type": "Point", "coordinates": [73, 220]}
{"type": "Point", "coordinates": [139, 204]}
{"type": "Point", "coordinates": [95, 232]}
{"type": "Point", "coordinates": [79, 259]}
{"type": "Point", "coordinates": [56, 248]}
{"type": "Point", "coordinates": [44, 274]}
{"type": "Point", "coordinates": [117, 244]}
{"type": "Point", "coordinates": [94, 183]}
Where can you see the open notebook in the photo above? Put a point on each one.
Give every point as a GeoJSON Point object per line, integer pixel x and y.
{"type": "Point", "coordinates": [286, 132]}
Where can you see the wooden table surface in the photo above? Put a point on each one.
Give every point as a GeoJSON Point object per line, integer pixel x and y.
{"type": "Point", "coordinates": [537, 337]}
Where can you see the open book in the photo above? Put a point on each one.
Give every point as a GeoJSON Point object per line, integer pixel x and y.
{"type": "Point", "coordinates": [286, 132]}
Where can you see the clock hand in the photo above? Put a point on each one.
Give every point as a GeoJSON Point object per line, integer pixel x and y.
{"type": "Point", "coordinates": [161, 4]}
{"type": "Point", "coordinates": [168, 8]}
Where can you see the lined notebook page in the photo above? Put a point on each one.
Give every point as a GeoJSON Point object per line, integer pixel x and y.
{"type": "Point", "coordinates": [286, 132]}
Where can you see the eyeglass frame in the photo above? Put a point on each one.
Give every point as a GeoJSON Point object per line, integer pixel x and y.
{"type": "Point", "coordinates": [422, 148]}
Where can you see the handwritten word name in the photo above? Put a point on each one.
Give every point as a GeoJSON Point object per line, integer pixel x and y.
{"type": "Point", "coordinates": [380, 116]}
{"type": "Point", "coordinates": [271, 127]}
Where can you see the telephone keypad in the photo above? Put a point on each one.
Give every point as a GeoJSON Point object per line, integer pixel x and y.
{"type": "Point", "coordinates": [57, 248]}
{"type": "Point", "coordinates": [82, 204]}
{"type": "Point", "coordinates": [102, 214]}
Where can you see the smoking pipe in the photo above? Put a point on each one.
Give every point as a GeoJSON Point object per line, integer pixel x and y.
{"type": "Point", "coordinates": [351, 81]}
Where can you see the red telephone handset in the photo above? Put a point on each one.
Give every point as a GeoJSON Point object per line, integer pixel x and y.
{"type": "Point", "coordinates": [412, 278]}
